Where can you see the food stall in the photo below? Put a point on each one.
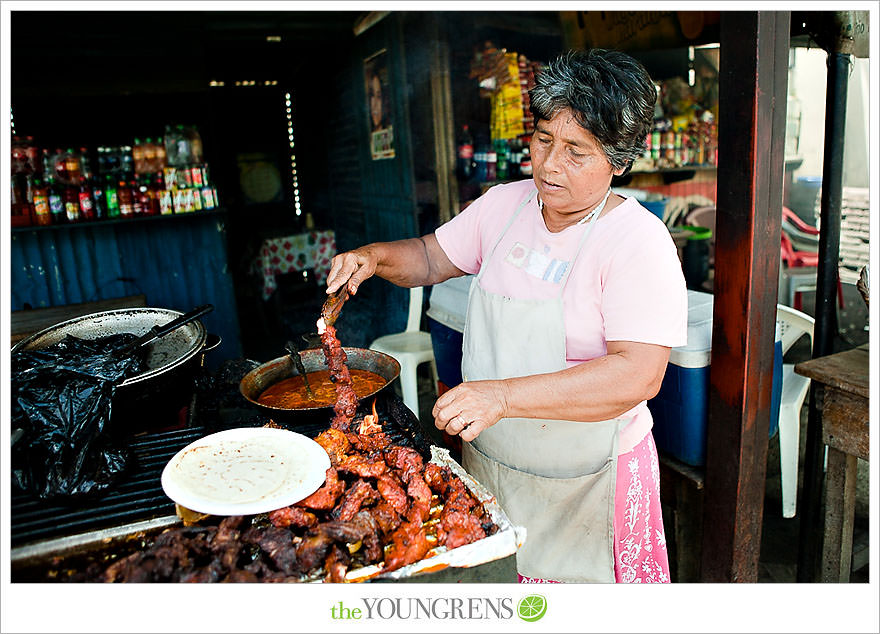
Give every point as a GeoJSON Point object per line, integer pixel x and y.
{"type": "Point", "coordinates": [380, 196]}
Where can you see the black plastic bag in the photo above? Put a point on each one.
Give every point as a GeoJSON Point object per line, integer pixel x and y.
{"type": "Point", "coordinates": [61, 400]}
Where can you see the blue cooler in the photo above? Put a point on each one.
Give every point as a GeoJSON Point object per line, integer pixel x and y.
{"type": "Point", "coordinates": [680, 409]}
{"type": "Point", "coordinates": [447, 309]}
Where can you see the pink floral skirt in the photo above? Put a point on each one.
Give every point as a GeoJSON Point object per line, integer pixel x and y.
{"type": "Point", "coordinates": [639, 539]}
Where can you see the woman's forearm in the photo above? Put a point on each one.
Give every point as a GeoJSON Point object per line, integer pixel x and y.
{"type": "Point", "coordinates": [595, 390]}
{"type": "Point", "coordinates": [410, 262]}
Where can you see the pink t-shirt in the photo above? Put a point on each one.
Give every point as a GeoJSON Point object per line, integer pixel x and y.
{"type": "Point", "coordinates": [626, 283]}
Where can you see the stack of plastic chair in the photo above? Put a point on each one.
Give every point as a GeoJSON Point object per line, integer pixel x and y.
{"type": "Point", "coordinates": [799, 253]}
{"type": "Point", "coordinates": [411, 348]}
{"type": "Point", "coordinates": [793, 324]}
{"type": "Point", "coordinates": [803, 236]}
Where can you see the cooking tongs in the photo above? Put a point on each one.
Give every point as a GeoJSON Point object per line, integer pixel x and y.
{"type": "Point", "coordinates": [298, 362]}
{"type": "Point", "coordinates": [333, 306]}
{"type": "Point", "coordinates": [160, 331]}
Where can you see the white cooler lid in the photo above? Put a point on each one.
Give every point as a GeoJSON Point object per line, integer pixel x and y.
{"type": "Point", "coordinates": [697, 352]}
{"type": "Point", "coordinates": [448, 302]}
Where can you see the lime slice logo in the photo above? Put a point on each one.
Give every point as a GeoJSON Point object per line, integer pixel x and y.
{"type": "Point", "coordinates": [532, 608]}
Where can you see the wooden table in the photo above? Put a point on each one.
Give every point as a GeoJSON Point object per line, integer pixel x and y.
{"type": "Point", "coordinates": [843, 378]}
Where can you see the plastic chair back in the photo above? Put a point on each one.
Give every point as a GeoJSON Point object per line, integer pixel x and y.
{"type": "Point", "coordinates": [414, 316]}
{"type": "Point", "coordinates": [793, 324]}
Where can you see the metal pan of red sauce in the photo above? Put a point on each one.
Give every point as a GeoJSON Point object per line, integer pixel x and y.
{"type": "Point", "coordinates": [275, 386]}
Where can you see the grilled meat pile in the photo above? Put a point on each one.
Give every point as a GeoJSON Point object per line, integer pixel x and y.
{"type": "Point", "coordinates": [380, 504]}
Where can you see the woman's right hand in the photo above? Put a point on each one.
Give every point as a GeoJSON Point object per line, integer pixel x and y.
{"type": "Point", "coordinates": [352, 268]}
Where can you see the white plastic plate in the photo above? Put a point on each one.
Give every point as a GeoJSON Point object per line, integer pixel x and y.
{"type": "Point", "coordinates": [245, 471]}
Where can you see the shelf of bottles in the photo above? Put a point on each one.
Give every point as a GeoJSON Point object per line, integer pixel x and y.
{"type": "Point", "coordinates": [150, 178]}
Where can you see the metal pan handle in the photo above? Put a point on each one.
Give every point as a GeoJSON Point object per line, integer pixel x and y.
{"type": "Point", "coordinates": [160, 331]}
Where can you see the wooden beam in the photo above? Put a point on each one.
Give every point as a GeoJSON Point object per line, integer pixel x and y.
{"type": "Point", "coordinates": [753, 81]}
{"type": "Point", "coordinates": [444, 127]}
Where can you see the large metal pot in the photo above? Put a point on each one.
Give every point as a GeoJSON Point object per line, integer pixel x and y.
{"type": "Point", "coordinates": [268, 374]}
{"type": "Point", "coordinates": [150, 399]}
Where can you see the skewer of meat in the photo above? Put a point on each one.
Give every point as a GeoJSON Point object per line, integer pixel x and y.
{"type": "Point", "coordinates": [346, 399]}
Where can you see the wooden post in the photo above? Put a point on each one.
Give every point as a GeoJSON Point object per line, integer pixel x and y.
{"type": "Point", "coordinates": [753, 81]}
{"type": "Point", "coordinates": [444, 127]}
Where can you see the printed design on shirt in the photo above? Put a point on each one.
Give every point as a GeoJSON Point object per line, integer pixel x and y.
{"type": "Point", "coordinates": [537, 263]}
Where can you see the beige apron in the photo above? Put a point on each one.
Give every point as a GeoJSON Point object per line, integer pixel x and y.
{"type": "Point", "coordinates": [554, 477]}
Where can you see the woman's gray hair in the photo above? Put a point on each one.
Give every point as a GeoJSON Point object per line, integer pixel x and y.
{"type": "Point", "coordinates": [610, 93]}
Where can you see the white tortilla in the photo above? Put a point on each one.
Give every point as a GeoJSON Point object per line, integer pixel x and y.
{"type": "Point", "coordinates": [245, 471]}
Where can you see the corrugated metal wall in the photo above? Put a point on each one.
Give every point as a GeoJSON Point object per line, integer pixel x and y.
{"type": "Point", "coordinates": [178, 263]}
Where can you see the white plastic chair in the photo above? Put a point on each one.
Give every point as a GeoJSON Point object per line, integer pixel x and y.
{"type": "Point", "coordinates": [411, 348]}
{"type": "Point", "coordinates": [793, 324]}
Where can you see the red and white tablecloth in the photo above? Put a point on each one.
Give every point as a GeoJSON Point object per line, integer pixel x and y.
{"type": "Point", "coordinates": [302, 251]}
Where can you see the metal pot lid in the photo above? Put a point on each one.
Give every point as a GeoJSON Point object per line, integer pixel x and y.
{"type": "Point", "coordinates": [172, 350]}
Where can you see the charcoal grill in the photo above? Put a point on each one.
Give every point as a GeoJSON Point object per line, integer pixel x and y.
{"type": "Point", "coordinates": [43, 532]}
{"type": "Point", "coordinates": [139, 495]}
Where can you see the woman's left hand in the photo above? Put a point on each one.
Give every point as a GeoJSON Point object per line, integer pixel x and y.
{"type": "Point", "coordinates": [470, 407]}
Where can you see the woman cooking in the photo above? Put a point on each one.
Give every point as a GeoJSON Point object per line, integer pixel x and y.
{"type": "Point", "coordinates": [577, 300]}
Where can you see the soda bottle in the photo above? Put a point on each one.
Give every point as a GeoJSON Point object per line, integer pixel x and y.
{"type": "Point", "coordinates": [137, 156]}
{"type": "Point", "coordinates": [501, 151]}
{"type": "Point", "coordinates": [100, 198]}
{"type": "Point", "coordinates": [42, 212]}
{"type": "Point", "coordinates": [60, 166]}
{"type": "Point", "coordinates": [183, 150]}
{"type": "Point", "coordinates": [72, 166]}
{"type": "Point", "coordinates": [161, 158]}
{"type": "Point", "coordinates": [21, 211]}
{"type": "Point", "coordinates": [85, 164]}
{"type": "Point", "coordinates": [111, 195]}
{"type": "Point", "coordinates": [465, 155]}
{"type": "Point", "coordinates": [56, 202]}
{"type": "Point", "coordinates": [126, 161]}
{"type": "Point", "coordinates": [19, 156]}
{"type": "Point", "coordinates": [150, 156]}
{"type": "Point", "coordinates": [144, 198]}
{"type": "Point", "coordinates": [126, 199]}
{"type": "Point", "coordinates": [46, 164]}
{"type": "Point", "coordinates": [71, 203]}
{"type": "Point", "coordinates": [491, 164]}
{"type": "Point", "coordinates": [86, 202]}
{"type": "Point", "coordinates": [195, 144]}
{"type": "Point", "coordinates": [525, 164]}
{"type": "Point", "coordinates": [32, 152]}
{"type": "Point", "coordinates": [137, 206]}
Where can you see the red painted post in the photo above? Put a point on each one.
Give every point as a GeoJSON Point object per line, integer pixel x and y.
{"type": "Point", "coordinates": [753, 81]}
